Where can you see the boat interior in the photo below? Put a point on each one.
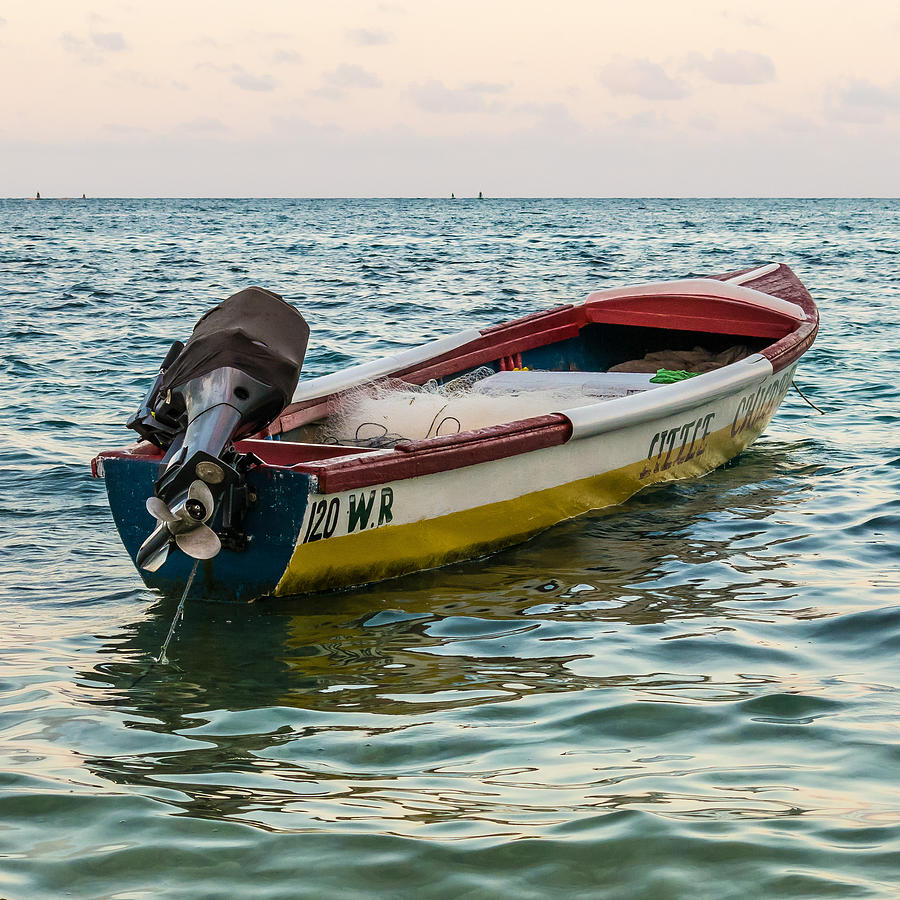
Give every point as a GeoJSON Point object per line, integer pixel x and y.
{"type": "Point", "coordinates": [600, 361]}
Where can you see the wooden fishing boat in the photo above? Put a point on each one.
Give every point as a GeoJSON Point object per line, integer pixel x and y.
{"type": "Point", "coordinates": [299, 510]}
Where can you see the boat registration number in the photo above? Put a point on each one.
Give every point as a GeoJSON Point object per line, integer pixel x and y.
{"type": "Point", "coordinates": [355, 512]}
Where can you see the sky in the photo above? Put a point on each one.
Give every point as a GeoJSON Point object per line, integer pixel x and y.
{"type": "Point", "coordinates": [426, 97]}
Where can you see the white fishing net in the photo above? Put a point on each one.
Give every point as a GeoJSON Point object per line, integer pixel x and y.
{"type": "Point", "coordinates": [386, 412]}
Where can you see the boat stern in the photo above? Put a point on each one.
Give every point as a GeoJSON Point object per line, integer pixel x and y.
{"type": "Point", "coordinates": [256, 548]}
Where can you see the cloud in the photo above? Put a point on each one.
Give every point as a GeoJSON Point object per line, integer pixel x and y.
{"type": "Point", "coordinates": [80, 48]}
{"type": "Point", "coordinates": [861, 102]}
{"type": "Point", "coordinates": [706, 124]}
{"type": "Point", "coordinates": [485, 87]}
{"type": "Point", "coordinates": [367, 37]}
{"type": "Point", "coordinates": [348, 75]}
{"type": "Point", "coordinates": [112, 41]}
{"type": "Point", "coordinates": [435, 97]}
{"type": "Point", "coordinates": [241, 78]}
{"type": "Point", "coordinates": [641, 78]}
{"type": "Point", "coordinates": [645, 123]}
{"type": "Point", "coordinates": [733, 67]}
{"type": "Point", "coordinates": [287, 56]}
{"type": "Point", "coordinates": [93, 50]}
{"type": "Point", "coordinates": [72, 44]}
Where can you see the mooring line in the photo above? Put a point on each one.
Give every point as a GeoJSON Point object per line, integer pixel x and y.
{"type": "Point", "coordinates": [179, 615]}
{"type": "Point", "coordinates": [821, 412]}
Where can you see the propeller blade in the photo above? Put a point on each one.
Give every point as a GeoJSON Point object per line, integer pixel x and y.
{"type": "Point", "coordinates": [158, 509]}
{"type": "Point", "coordinates": [200, 542]}
{"type": "Point", "coordinates": [155, 550]}
{"type": "Point", "coordinates": [199, 490]}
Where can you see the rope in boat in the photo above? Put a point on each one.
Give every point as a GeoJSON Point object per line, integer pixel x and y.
{"type": "Point", "coordinates": [391, 438]}
{"type": "Point", "coordinates": [821, 412]}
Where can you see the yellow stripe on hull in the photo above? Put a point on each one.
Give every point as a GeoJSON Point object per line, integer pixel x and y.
{"type": "Point", "coordinates": [393, 550]}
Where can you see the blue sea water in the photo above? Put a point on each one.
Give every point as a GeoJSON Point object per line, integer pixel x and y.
{"type": "Point", "coordinates": [693, 695]}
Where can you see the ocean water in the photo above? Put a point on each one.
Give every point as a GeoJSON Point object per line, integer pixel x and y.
{"type": "Point", "coordinates": [692, 695]}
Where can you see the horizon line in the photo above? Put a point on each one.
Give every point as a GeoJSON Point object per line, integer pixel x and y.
{"type": "Point", "coordinates": [466, 197]}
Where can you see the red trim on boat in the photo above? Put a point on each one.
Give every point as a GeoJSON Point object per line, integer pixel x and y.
{"type": "Point", "coordinates": [362, 468]}
{"type": "Point", "coordinates": [277, 454]}
{"type": "Point", "coordinates": [504, 343]}
{"type": "Point", "coordinates": [492, 353]}
{"type": "Point", "coordinates": [788, 350]}
{"type": "Point", "coordinates": [141, 450]}
{"type": "Point", "coordinates": [783, 283]}
{"type": "Point", "coordinates": [690, 313]}
{"type": "Point", "coordinates": [508, 339]}
{"type": "Point", "coordinates": [530, 319]}
{"type": "Point", "coordinates": [439, 454]}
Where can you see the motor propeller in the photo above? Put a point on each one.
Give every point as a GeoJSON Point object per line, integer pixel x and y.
{"type": "Point", "coordinates": [185, 524]}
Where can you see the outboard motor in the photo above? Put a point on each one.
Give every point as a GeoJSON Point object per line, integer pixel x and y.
{"type": "Point", "coordinates": [234, 376]}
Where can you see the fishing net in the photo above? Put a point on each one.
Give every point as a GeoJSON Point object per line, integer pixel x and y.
{"type": "Point", "coordinates": [383, 413]}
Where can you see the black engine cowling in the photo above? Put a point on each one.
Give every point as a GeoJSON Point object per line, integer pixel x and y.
{"type": "Point", "coordinates": [231, 379]}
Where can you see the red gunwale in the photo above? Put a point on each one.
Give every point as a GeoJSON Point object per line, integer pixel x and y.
{"type": "Point", "coordinates": [346, 468]}
{"type": "Point", "coordinates": [274, 454]}
{"type": "Point", "coordinates": [693, 314]}
{"type": "Point", "coordinates": [413, 458]}
{"type": "Point", "coordinates": [783, 283]}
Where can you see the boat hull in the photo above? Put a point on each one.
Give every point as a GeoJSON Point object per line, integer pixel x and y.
{"type": "Point", "coordinates": [301, 540]}
{"type": "Point", "coordinates": [328, 516]}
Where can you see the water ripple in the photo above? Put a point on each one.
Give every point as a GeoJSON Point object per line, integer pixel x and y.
{"type": "Point", "coordinates": [692, 695]}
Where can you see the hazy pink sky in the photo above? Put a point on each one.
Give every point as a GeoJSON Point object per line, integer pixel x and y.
{"type": "Point", "coordinates": [365, 98]}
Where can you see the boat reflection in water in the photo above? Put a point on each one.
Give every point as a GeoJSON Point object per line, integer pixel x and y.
{"type": "Point", "coordinates": [415, 702]}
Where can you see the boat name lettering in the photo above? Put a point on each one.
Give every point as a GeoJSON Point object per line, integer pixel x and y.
{"type": "Point", "coordinates": [755, 409]}
{"type": "Point", "coordinates": [361, 513]}
{"type": "Point", "coordinates": [688, 437]}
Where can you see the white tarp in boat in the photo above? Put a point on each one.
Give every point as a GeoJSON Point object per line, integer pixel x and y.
{"type": "Point", "coordinates": [387, 412]}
